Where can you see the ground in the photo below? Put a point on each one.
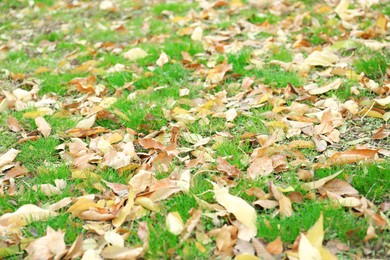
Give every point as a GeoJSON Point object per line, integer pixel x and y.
{"type": "Point", "coordinates": [194, 129]}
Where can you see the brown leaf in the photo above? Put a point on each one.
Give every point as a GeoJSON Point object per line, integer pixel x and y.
{"type": "Point", "coordinates": [148, 143]}
{"type": "Point", "coordinates": [43, 126]}
{"type": "Point", "coordinates": [13, 124]}
{"type": "Point", "coordinates": [217, 74]}
{"type": "Point", "coordinates": [76, 250]}
{"type": "Point", "coordinates": [370, 233]}
{"type": "Point", "coordinates": [353, 155]}
{"type": "Point", "coordinates": [82, 132]}
{"type": "Point", "coordinates": [261, 251]}
{"type": "Point", "coordinates": [262, 166]}
{"type": "Point", "coordinates": [381, 133]}
{"type": "Point", "coordinates": [226, 167]}
{"type": "Point", "coordinates": [226, 239]}
{"type": "Point", "coordinates": [340, 187]}
{"type": "Point", "coordinates": [275, 247]}
{"type": "Point", "coordinates": [15, 172]}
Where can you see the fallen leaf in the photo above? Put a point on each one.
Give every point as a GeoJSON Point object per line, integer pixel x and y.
{"type": "Point", "coordinates": [370, 234]}
{"type": "Point", "coordinates": [125, 211]}
{"type": "Point", "coordinates": [43, 126]}
{"type": "Point", "coordinates": [8, 157]}
{"type": "Point", "coordinates": [353, 155]}
{"type": "Point", "coordinates": [135, 54]}
{"type": "Point", "coordinates": [262, 166]}
{"type": "Point", "coordinates": [115, 252]}
{"type": "Point", "coordinates": [331, 86]}
{"type": "Point", "coordinates": [243, 212]}
{"type": "Point", "coordinates": [307, 251]}
{"type": "Point", "coordinates": [25, 215]}
{"type": "Point", "coordinates": [13, 124]}
{"type": "Point", "coordinates": [321, 58]}
{"type": "Point", "coordinates": [275, 247]}
{"type": "Point", "coordinates": [86, 123]}
{"type": "Point", "coordinates": [174, 223]}
{"type": "Point", "coordinates": [47, 189]}
{"type": "Point", "coordinates": [340, 187]}
{"type": "Point", "coordinates": [321, 182]}
{"type": "Point", "coordinates": [381, 133]}
{"type": "Point", "coordinates": [226, 167]}
{"type": "Point", "coordinates": [46, 247]}
{"type": "Point", "coordinates": [114, 239]}
{"type": "Point", "coordinates": [162, 60]}
{"type": "Point", "coordinates": [197, 34]}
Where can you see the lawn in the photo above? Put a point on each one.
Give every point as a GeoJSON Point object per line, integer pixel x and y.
{"type": "Point", "coordinates": [233, 129]}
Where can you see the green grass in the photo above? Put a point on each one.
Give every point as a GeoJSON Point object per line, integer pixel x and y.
{"type": "Point", "coordinates": [373, 65]}
{"type": "Point", "coordinates": [176, 8]}
{"type": "Point", "coordinates": [34, 154]}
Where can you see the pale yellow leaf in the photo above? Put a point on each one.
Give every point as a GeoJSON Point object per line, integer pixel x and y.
{"type": "Point", "coordinates": [114, 238]}
{"type": "Point", "coordinates": [231, 114]}
{"type": "Point", "coordinates": [243, 212]}
{"type": "Point", "coordinates": [47, 189]}
{"type": "Point", "coordinates": [307, 251]}
{"type": "Point", "coordinates": [197, 34]}
{"type": "Point", "coordinates": [26, 214]}
{"type": "Point", "coordinates": [43, 126]}
{"type": "Point", "coordinates": [174, 223]}
{"type": "Point", "coordinates": [86, 123]}
{"type": "Point", "coordinates": [135, 54]}
{"type": "Point", "coordinates": [321, 58]}
{"type": "Point", "coordinates": [119, 253]}
{"type": "Point", "coordinates": [383, 101]}
{"type": "Point", "coordinates": [163, 59]}
{"type": "Point", "coordinates": [331, 86]}
{"type": "Point", "coordinates": [8, 157]}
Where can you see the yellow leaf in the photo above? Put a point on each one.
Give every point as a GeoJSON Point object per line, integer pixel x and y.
{"type": "Point", "coordinates": [246, 257]}
{"type": "Point", "coordinates": [316, 233]}
{"type": "Point", "coordinates": [243, 212]}
{"type": "Point", "coordinates": [35, 114]}
{"type": "Point", "coordinates": [307, 251]}
{"type": "Point", "coordinates": [119, 220]}
{"type": "Point", "coordinates": [84, 174]}
{"type": "Point", "coordinates": [81, 205]}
